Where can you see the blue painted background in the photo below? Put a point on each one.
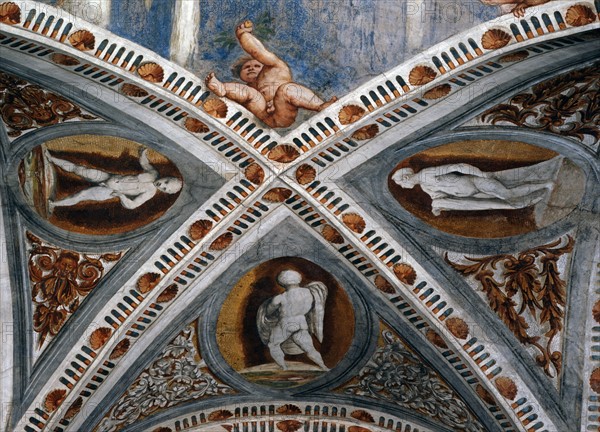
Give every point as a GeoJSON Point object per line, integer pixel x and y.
{"type": "Point", "coordinates": [150, 28]}
{"type": "Point", "coordinates": [332, 46]}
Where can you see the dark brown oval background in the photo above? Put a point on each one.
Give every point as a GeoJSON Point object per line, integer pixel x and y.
{"type": "Point", "coordinates": [237, 334]}
{"type": "Point", "coordinates": [487, 155]}
{"type": "Point", "coordinates": [108, 153]}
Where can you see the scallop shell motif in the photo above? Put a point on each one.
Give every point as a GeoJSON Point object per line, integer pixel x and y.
{"type": "Point", "coordinates": [306, 174]}
{"type": "Point", "coordinates": [151, 72]}
{"type": "Point", "coordinates": [289, 425]}
{"type": "Point", "coordinates": [254, 173]}
{"type": "Point", "coordinates": [595, 380]}
{"type": "Point", "coordinates": [216, 108]}
{"type": "Point", "coordinates": [168, 294]}
{"type": "Point", "coordinates": [494, 39]}
{"type": "Point", "coordinates": [289, 409]}
{"type": "Point", "coordinates": [284, 153]}
{"type": "Point", "coordinates": [366, 132]}
{"type": "Point", "coordinates": [485, 395]}
{"type": "Point", "coordinates": [383, 285]}
{"type": "Point", "coordinates": [350, 114]}
{"type": "Point", "coordinates": [421, 75]}
{"type": "Point", "coordinates": [506, 387]}
{"type": "Point", "coordinates": [438, 92]}
{"type": "Point", "coordinates": [65, 60]}
{"type": "Point", "coordinates": [54, 399]}
{"type": "Point", "coordinates": [355, 222]}
{"type": "Point", "coordinates": [221, 242]}
{"type": "Point", "coordinates": [358, 429]}
{"type": "Point", "coordinates": [332, 235]}
{"type": "Point", "coordinates": [133, 90]}
{"type": "Point", "coordinates": [362, 415]}
{"type": "Point", "coordinates": [596, 311]}
{"type": "Point", "coordinates": [435, 339]}
{"type": "Point", "coordinates": [99, 337]}
{"type": "Point", "coordinates": [219, 415]}
{"type": "Point", "coordinates": [405, 273]}
{"type": "Point", "coordinates": [200, 228]}
{"type": "Point", "coordinates": [74, 408]}
{"type": "Point", "coordinates": [10, 13]}
{"type": "Point", "coordinates": [276, 195]}
{"type": "Point", "coordinates": [194, 125]}
{"type": "Point", "coordinates": [120, 349]}
{"type": "Point", "coordinates": [580, 15]}
{"type": "Point", "coordinates": [83, 40]}
{"type": "Point", "coordinates": [147, 282]}
{"type": "Point", "coordinates": [458, 327]}
{"type": "Point", "coordinates": [514, 57]}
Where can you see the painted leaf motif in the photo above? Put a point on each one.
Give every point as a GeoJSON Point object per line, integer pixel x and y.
{"type": "Point", "coordinates": [567, 105]}
{"type": "Point", "coordinates": [533, 278]}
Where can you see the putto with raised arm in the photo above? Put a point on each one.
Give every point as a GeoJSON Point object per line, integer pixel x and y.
{"type": "Point", "coordinates": [269, 91]}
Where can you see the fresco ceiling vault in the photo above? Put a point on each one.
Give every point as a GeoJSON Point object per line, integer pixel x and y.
{"type": "Point", "coordinates": [300, 215]}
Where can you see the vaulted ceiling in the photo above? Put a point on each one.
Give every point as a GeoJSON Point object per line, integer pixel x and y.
{"type": "Point", "coordinates": [466, 301]}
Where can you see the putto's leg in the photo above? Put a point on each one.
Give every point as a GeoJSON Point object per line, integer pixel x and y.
{"type": "Point", "coordinates": [495, 188]}
{"type": "Point", "coordinates": [277, 337]}
{"type": "Point", "coordinates": [214, 85]}
{"type": "Point", "coordinates": [304, 341]}
{"type": "Point", "coordinates": [91, 174]}
{"type": "Point", "coordinates": [249, 97]}
{"type": "Point", "coordinates": [245, 95]}
{"type": "Point", "coordinates": [302, 97]}
{"type": "Point", "coordinates": [288, 98]}
{"type": "Point", "coordinates": [278, 355]}
{"type": "Point", "coordinates": [96, 193]}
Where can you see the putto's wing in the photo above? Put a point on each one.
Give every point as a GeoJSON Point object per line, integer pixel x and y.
{"type": "Point", "coordinates": [263, 323]}
{"type": "Point", "coordinates": [317, 313]}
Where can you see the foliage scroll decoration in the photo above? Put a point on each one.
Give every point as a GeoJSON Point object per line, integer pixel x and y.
{"type": "Point", "coordinates": [396, 374]}
{"type": "Point", "coordinates": [27, 106]}
{"type": "Point", "coordinates": [60, 279]}
{"type": "Point", "coordinates": [178, 375]}
{"type": "Point", "coordinates": [535, 276]}
{"type": "Point", "coordinates": [567, 105]}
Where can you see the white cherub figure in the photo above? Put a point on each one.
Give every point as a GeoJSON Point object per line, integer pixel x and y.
{"type": "Point", "coordinates": [132, 190]}
{"type": "Point", "coordinates": [285, 322]}
{"type": "Point", "coordinates": [465, 187]}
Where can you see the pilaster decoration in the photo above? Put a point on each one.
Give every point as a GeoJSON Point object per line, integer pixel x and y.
{"type": "Point", "coordinates": [60, 280]}
{"type": "Point", "coordinates": [396, 374]}
{"type": "Point", "coordinates": [528, 294]}
{"type": "Point", "coordinates": [26, 106]}
{"type": "Point", "coordinates": [567, 105]}
{"type": "Point", "coordinates": [178, 375]}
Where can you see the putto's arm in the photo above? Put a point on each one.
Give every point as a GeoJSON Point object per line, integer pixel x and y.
{"type": "Point", "coordinates": [254, 47]}
{"type": "Point", "coordinates": [131, 204]}
{"type": "Point", "coordinates": [464, 168]}
{"type": "Point", "coordinates": [145, 163]}
{"type": "Point", "coordinates": [273, 306]}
